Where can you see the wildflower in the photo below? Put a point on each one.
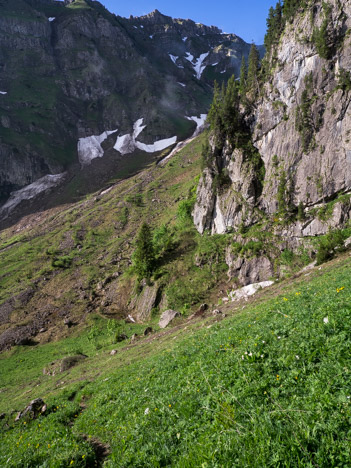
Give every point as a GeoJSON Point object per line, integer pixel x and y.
{"type": "Point", "coordinates": [49, 445]}
{"type": "Point", "coordinates": [262, 355]}
{"type": "Point", "coordinates": [245, 352]}
{"type": "Point", "coordinates": [285, 299]}
{"type": "Point", "coordinates": [250, 354]}
{"type": "Point", "coordinates": [170, 406]}
{"type": "Point", "coordinates": [298, 294]}
{"type": "Point", "coordinates": [71, 462]}
{"type": "Point", "coordinates": [242, 357]}
{"type": "Point", "coordinates": [326, 320]}
{"type": "Point", "coordinates": [263, 342]}
{"type": "Point", "coordinates": [147, 411]}
{"type": "Point", "coordinates": [297, 357]}
{"type": "Point", "coordinates": [83, 456]}
{"type": "Point", "coordinates": [279, 337]}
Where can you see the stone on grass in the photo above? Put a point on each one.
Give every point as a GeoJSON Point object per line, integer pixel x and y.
{"type": "Point", "coordinates": [167, 317]}
{"type": "Point", "coordinates": [113, 352]}
{"type": "Point", "coordinates": [33, 410]}
{"type": "Point", "coordinates": [249, 290]}
{"type": "Point", "coordinates": [148, 331]}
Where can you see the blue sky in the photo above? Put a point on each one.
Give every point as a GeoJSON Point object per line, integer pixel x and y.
{"type": "Point", "coordinates": [246, 18]}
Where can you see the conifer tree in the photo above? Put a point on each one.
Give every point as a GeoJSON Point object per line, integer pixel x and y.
{"type": "Point", "coordinates": [243, 76]}
{"type": "Point", "coordinates": [215, 112]}
{"type": "Point", "coordinates": [253, 69]}
{"type": "Point", "coordinates": [144, 255]}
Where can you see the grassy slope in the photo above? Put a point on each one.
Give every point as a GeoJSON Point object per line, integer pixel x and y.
{"type": "Point", "coordinates": [91, 234]}
{"type": "Point", "coordinates": [268, 386]}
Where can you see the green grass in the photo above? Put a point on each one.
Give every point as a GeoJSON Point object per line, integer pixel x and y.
{"type": "Point", "coordinates": [270, 386]}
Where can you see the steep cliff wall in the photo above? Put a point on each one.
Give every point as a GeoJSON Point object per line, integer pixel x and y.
{"type": "Point", "coordinates": [301, 125]}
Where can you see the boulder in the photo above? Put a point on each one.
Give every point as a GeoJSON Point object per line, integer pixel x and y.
{"type": "Point", "coordinates": [249, 290]}
{"type": "Point", "coordinates": [148, 331]}
{"type": "Point", "coordinates": [33, 410]}
{"type": "Point", "coordinates": [113, 352]}
{"type": "Point", "coordinates": [167, 317]}
{"type": "Point", "coordinates": [122, 337]}
{"type": "Point", "coordinates": [134, 338]}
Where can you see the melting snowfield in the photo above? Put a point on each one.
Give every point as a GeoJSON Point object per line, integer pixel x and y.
{"type": "Point", "coordinates": [198, 65]}
{"type": "Point", "coordinates": [126, 144]}
{"type": "Point", "coordinates": [90, 148]}
{"type": "Point", "coordinates": [200, 122]}
{"type": "Point", "coordinates": [30, 191]}
{"type": "Point", "coordinates": [3, 92]}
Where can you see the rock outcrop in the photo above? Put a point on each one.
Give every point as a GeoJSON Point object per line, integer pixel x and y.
{"type": "Point", "coordinates": [300, 123]}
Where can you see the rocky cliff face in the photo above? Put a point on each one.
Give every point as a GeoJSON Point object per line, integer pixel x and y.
{"type": "Point", "coordinates": [77, 83]}
{"type": "Point", "coordinates": [301, 126]}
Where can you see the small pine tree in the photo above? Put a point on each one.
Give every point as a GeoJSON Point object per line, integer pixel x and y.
{"type": "Point", "coordinates": [144, 255]}
{"type": "Point", "coordinates": [253, 69]}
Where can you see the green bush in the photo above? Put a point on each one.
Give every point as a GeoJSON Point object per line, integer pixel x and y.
{"type": "Point", "coordinates": [328, 245]}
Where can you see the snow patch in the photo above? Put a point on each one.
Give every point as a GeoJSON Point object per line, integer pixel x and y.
{"type": "Point", "coordinates": [52, 18]}
{"type": "Point", "coordinates": [189, 57]}
{"type": "Point", "coordinates": [250, 290]}
{"type": "Point", "coordinates": [184, 39]}
{"type": "Point", "coordinates": [224, 71]}
{"type": "Point", "coordinates": [3, 92]}
{"type": "Point", "coordinates": [200, 121]}
{"type": "Point", "coordinates": [174, 58]}
{"type": "Point", "coordinates": [30, 191]}
{"type": "Point", "coordinates": [214, 64]}
{"type": "Point", "coordinates": [199, 67]}
{"type": "Point", "coordinates": [142, 27]}
{"type": "Point", "coordinates": [152, 35]}
{"type": "Point", "coordinates": [181, 84]}
{"type": "Point", "coordinates": [90, 148]}
{"type": "Point", "coordinates": [126, 144]}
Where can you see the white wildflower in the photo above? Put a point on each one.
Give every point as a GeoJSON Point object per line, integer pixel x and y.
{"type": "Point", "coordinates": [326, 320]}
{"type": "Point", "coordinates": [262, 355]}
{"type": "Point", "coordinates": [250, 354]}
{"type": "Point", "coordinates": [297, 357]}
{"type": "Point", "coordinates": [279, 337]}
{"type": "Point", "coordinates": [147, 411]}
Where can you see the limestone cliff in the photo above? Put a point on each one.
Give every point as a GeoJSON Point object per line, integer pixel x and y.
{"type": "Point", "coordinates": [300, 124]}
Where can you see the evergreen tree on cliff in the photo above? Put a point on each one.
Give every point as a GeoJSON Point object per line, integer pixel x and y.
{"type": "Point", "coordinates": [253, 69]}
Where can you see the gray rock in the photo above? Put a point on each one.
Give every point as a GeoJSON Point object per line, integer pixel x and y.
{"type": "Point", "coordinates": [134, 338]}
{"type": "Point", "coordinates": [148, 331]}
{"type": "Point", "coordinates": [33, 410]}
{"type": "Point", "coordinates": [113, 352]}
{"type": "Point", "coordinates": [122, 337]}
{"type": "Point", "coordinates": [216, 312]}
{"type": "Point", "coordinates": [167, 317]}
{"type": "Point", "coordinates": [347, 243]}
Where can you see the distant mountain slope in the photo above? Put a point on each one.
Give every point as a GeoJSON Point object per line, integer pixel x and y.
{"type": "Point", "coordinates": [73, 72]}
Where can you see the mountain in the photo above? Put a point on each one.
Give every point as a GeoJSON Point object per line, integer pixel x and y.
{"type": "Point", "coordinates": [83, 89]}
{"type": "Point", "coordinates": [258, 203]}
